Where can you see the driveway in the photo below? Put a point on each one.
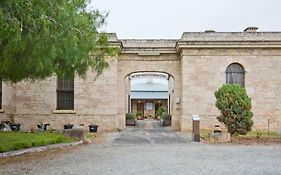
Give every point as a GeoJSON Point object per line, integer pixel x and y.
{"type": "Point", "coordinates": [149, 149]}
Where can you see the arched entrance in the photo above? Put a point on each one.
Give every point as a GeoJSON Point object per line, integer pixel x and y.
{"type": "Point", "coordinates": [136, 65]}
{"type": "Point", "coordinates": [149, 92]}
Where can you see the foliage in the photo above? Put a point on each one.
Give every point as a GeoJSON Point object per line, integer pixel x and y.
{"type": "Point", "coordinates": [139, 113]}
{"type": "Point", "coordinates": [40, 38]}
{"type": "Point", "coordinates": [258, 135]}
{"type": "Point", "coordinates": [11, 117]}
{"type": "Point", "coordinates": [160, 111]}
{"type": "Point", "coordinates": [166, 116]}
{"type": "Point", "coordinates": [18, 140]}
{"type": "Point", "coordinates": [130, 116]}
{"type": "Point", "coordinates": [235, 107]}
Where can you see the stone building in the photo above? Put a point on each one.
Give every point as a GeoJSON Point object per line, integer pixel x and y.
{"type": "Point", "coordinates": [197, 64]}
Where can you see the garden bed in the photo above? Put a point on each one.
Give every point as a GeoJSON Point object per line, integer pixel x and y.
{"type": "Point", "coordinates": [251, 138]}
{"type": "Point", "coordinates": [18, 140]}
{"type": "Point", "coordinates": [257, 138]}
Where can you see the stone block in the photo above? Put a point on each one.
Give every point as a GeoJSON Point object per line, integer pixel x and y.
{"type": "Point", "coordinates": [76, 133]}
{"type": "Point", "coordinates": [222, 137]}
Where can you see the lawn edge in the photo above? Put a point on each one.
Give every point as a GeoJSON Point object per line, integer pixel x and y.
{"type": "Point", "coordinates": [38, 149]}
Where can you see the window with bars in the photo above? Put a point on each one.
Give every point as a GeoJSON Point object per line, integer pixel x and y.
{"type": "Point", "coordinates": [235, 74]}
{"type": "Point", "coordinates": [65, 93]}
{"type": "Point", "coordinates": [0, 94]}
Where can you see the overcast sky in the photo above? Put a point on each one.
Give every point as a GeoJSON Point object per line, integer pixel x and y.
{"type": "Point", "coordinates": [168, 19]}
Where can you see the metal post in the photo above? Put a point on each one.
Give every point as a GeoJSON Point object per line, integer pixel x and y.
{"type": "Point", "coordinates": [196, 128]}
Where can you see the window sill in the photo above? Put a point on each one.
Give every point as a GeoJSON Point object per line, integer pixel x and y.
{"type": "Point", "coordinates": [2, 111]}
{"type": "Point", "coordinates": [64, 112]}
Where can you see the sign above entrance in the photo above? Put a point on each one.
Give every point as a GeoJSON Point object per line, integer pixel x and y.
{"type": "Point", "coordinates": [149, 75]}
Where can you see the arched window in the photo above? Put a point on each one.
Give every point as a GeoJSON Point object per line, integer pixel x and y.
{"type": "Point", "coordinates": [65, 93]}
{"type": "Point", "coordinates": [235, 74]}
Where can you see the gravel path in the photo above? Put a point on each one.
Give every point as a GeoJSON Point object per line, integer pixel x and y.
{"type": "Point", "coordinates": [139, 150]}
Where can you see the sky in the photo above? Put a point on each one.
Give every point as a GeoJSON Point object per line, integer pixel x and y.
{"type": "Point", "coordinates": [168, 19]}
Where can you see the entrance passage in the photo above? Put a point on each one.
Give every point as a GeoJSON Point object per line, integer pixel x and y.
{"type": "Point", "coordinates": [149, 92]}
{"type": "Point", "coordinates": [150, 131]}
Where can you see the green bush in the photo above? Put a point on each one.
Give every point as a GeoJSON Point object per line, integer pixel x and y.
{"type": "Point", "coordinates": [166, 116]}
{"type": "Point", "coordinates": [139, 113]}
{"type": "Point", "coordinates": [130, 116]}
{"type": "Point", "coordinates": [160, 111]}
{"type": "Point", "coordinates": [258, 135]}
{"type": "Point", "coordinates": [235, 107]}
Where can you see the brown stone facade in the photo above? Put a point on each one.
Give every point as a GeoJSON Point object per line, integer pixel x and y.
{"type": "Point", "coordinates": [197, 62]}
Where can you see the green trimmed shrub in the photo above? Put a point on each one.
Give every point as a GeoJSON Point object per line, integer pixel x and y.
{"type": "Point", "coordinates": [139, 113]}
{"type": "Point", "coordinates": [160, 111]}
{"type": "Point", "coordinates": [235, 107]}
{"type": "Point", "coordinates": [166, 116]}
{"type": "Point", "coordinates": [130, 116]}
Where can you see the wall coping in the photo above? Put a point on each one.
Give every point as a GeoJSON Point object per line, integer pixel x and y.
{"type": "Point", "coordinates": [155, 47]}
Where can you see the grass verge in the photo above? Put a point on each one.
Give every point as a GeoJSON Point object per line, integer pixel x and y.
{"type": "Point", "coordinates": [18, 140]}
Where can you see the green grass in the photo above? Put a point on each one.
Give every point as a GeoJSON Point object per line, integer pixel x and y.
{"type": "Point", "coordinates": [264, 134]}
{"type": "Point", "coordinates": [18, 140]}
{"type": "Point", "coordinates": [205, 134]}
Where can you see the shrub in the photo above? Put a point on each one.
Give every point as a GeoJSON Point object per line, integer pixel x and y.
{"type": "Point", "coordinates": [130, 116]}
{"type": "Point", "coordinates": [166, 116]}
{"type": "Point", "coordinates": [139, 113]}
{"type": "Point", "coordinates": [160, 111]}
{"type": "Point", "coordinates": [258, 135]}
{"type": "Point", "coordinates": [235, 107]}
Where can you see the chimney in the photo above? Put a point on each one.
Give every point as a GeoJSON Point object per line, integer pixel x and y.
{"type": "Point", "coordinates": [251, 29]}
{"type": "Point", "coordinates": [209, 31]}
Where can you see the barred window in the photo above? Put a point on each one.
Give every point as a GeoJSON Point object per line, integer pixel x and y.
{"type": "Point", "coordinates": [235, 74]}
{"type": "Point", "coordinates": [65, 93]}
{"type": "Point", "coordinates": [0, 94]}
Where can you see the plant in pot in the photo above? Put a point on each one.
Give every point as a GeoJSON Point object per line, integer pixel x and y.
{"type": "Point", "coordinates": [68, 126]}
{"type": "Point", "coordinates": [166, 119]}
{"type": "Point", "coordinates": [93, 128]}
{"type": "Point", "coordinates": [159, 112]}
{"type": "Point", "coordinates": [130, 119]}
{"type": "Point", "coordinates": [42, 127]}
{"type": "Point", "coordinates": [13, 125]}
{"type": "Point", "coordinates": [139, 115]}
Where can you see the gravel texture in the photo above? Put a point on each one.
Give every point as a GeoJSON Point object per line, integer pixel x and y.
{"type": "Point", "coordinates": [139, 150]}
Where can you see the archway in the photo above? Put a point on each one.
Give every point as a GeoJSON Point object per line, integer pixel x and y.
{"type": "Point", "coordinates": [147, 92]}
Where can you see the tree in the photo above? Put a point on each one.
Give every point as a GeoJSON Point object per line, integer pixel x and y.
{"type": "Point", "coordinates": [42, 38]}
{"type": "Point", "coordinates": [235, 107]}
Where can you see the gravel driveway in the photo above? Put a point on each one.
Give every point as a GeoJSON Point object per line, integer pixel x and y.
{"type": "Point", "coordinates": [149, 149]}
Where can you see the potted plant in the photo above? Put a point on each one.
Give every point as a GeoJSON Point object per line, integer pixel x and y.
{"type": "Point", "coordinates": [139, 115]}
{"type": "Point", "coordinates": [68, 126]}
{"type": "Point", "coordinates": [159, 112]}
{"type": "Point", "coordinates": [93, 128]}
{"type": "Point", "coordinates": [14, 126]}
{"type": "Point", "coordinates": [130, 119]}
{"type": "Point", "coordinates": [42, 127]}
{"type": "Point", "coordinates": [166, 119]}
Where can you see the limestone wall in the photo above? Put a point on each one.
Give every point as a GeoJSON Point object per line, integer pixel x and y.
{"type": "Point", "coordinates": [94, 101]}
{"type": "Point", "coordinates": [203, 72]}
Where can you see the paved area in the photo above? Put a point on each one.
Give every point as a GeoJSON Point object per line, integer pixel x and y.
{"type": "Point", "coordinates": [149, 149]}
